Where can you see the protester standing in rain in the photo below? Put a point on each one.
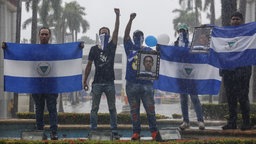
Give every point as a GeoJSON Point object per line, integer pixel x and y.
{"type": "Point", "coordinates": [183, 41]}
{"type": "Point", "coordinates": [103, 56]}
{"type": "Point", "coordinates": [138, 90]}
{"type": "Point", "coordinates": [236, 83]}
{"type": "Point", "coordinates": [51, 99]}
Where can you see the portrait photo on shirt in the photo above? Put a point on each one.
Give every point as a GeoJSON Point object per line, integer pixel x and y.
{"type": "Point", "coordinates": [201, 39]}
{"type": "Point", "coordinates": [148, 65]}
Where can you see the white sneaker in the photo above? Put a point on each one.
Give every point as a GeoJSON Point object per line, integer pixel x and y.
{"type": "Point", "coordinates": [201, 125]}
{"type": "Point", "coordinates": [184, 126]}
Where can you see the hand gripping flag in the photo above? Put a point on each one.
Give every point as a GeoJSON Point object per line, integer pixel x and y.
{"type": "Point", "coordinates": [233, 46]}
{"type": "Point", "coordinates": [183, 72]}
{"type": "Point", "coordinates": [42, 68]}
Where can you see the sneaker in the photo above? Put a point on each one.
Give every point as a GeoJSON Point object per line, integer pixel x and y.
{"type": "Point", "coordinates": [184, 126]}
{"type": "Point", "coordinates": [135, 136]}
{"type": "Point", "coordinates": [116, 136]}
{"type": "Point", "coordinates": [201, 125]}
{"type": "Point", "coordinates": [44, 136]}
{"type": "Point", "coordinates": [229, 126]}
{"type": "Point", "coordinates": [54, 136]}
{"type": "Point", "coordinates": [154, 135]}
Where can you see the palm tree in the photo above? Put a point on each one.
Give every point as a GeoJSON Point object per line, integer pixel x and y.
{"type": "Point", "coordinates": [34, 19]}
{"type": "Point", "coordinates": [227, 8]}
{"type": "Point", "coordinates": [185, 16]}
{"type": "Point", "coordinates": [73, 14]}
{"type": "Point", "coordinates": [53, 19]}
{"type": "Point", "coordinates": [197, 7]}
{"type": "Point", "coordinates": [242, 6]}
{"type": "Point", "coordinates": [50, 5]}
{"type": "Point", "coordinates": [33, 34]}
{"type": "Point", "coordinates": [49, 12]}
{"type": "Point", "coordinates": [211, 15]}
{"type": "Point", "coordinates": [18, 24]}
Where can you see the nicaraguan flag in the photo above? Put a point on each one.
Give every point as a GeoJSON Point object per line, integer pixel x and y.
{"type": "Point", "coordinates": [42, 68]}
{"type": "Point", "coordinates": [233, 46]}
{"type": "Point", "coordinates": [183, 72]}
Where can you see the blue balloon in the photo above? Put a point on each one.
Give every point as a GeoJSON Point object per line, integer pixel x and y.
{"type": "Point", "coordinates": [151, 41]}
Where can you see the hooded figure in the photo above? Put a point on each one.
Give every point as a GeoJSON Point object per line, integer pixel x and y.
{"type": "Point", "coordinates": [183, 39]}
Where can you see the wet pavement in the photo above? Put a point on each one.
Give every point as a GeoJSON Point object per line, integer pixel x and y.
{"type": "Point", "coordinates": [163, 109]}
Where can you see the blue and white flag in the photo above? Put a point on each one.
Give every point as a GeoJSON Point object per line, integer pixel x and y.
{"type": "Point", "coordinates": [183, 72]}
{"type": "Point", "coordinates": [42, 68]}
{"type": "Point", "coordinates": [233, 46]}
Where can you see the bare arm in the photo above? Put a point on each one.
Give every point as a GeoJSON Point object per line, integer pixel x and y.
{"type": "Point", "coordinates": [86, 74]}
{"type": "Point", "coordinates": [128, 26]}
{"type": "Point", "coordinates": [115, 32]}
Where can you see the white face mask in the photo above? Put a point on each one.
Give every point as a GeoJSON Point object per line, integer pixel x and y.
{"type": "Point", "coordinates": [104, 38]}
{"type": "Point", "coordinates": [183, 39]}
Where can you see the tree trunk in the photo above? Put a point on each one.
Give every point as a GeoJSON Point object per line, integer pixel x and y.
{"type": "Point", "coordinates": [33, 40]}
{"type": "Point", "coordinates": [197, 17]}
{"type": "Point", "coordinates": [212, 9]}
{"type": "Point", "coordinates": [18, 25]}
{"type": "Point", "coordinates": [242, 7]}
{"type": "Point", "coordinates": [228, 7]}
{"type": "Point", "coordinates": [34, 22]}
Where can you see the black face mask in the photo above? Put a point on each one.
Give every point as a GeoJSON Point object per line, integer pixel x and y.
{"type": "Point", "coordinates": [138, 40]}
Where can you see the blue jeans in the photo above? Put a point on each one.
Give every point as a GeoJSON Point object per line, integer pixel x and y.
{"type": "Point", "coordinates": [145, 93]}
{"type": "Point", "coordinates": [197, 106]}
{"type": "Point", "coordinates": [109, 90]}
{"type": "Point", "coordinates": [51, 101]}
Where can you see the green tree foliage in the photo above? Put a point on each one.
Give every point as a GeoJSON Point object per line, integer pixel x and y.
{"type": "Point", "coordinates": [58, 18]}
{"type": "Point", "coordinates": [73, 14]}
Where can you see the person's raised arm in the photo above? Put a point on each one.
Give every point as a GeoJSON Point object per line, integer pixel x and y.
{"type": "Point", "coordinates": [116, 29]}
{"type": "Point", "coordinates": [128, 26]}
{"type": "Point", "coordinates": [86, 74]}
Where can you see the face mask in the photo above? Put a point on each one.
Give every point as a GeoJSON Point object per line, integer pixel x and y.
{"type": "Point", "coordinates": [104, 38]}
{"type": "Point", "coordinates": [183, 39]}
{"type": "Point", "coordinates": [138, 41]}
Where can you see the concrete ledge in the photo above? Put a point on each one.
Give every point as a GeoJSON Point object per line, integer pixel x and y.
{"type": "Point", "coordinates": [162, 123]}
{"type": "Point", "coordinates": [212, 129]}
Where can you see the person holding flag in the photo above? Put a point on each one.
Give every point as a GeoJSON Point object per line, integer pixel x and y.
{"type": "Point", "coordinates": [236, 83]}
{"type": "Point", "coordinates": [183, 41]}
{"type": "Point", "coordinates": [50, 99]}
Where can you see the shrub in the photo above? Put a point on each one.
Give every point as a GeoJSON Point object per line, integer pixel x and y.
{"type": "Point", "coordinates": [220, 112]}
{"type": "Point", "coordinates": [84, 118]}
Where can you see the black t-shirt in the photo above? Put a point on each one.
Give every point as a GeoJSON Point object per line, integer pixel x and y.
{"type": "Point", "coordinates": [104, 63]}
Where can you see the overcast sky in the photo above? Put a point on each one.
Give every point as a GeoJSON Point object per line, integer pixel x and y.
{"type": "Point", "coordinates": [154, 17]}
